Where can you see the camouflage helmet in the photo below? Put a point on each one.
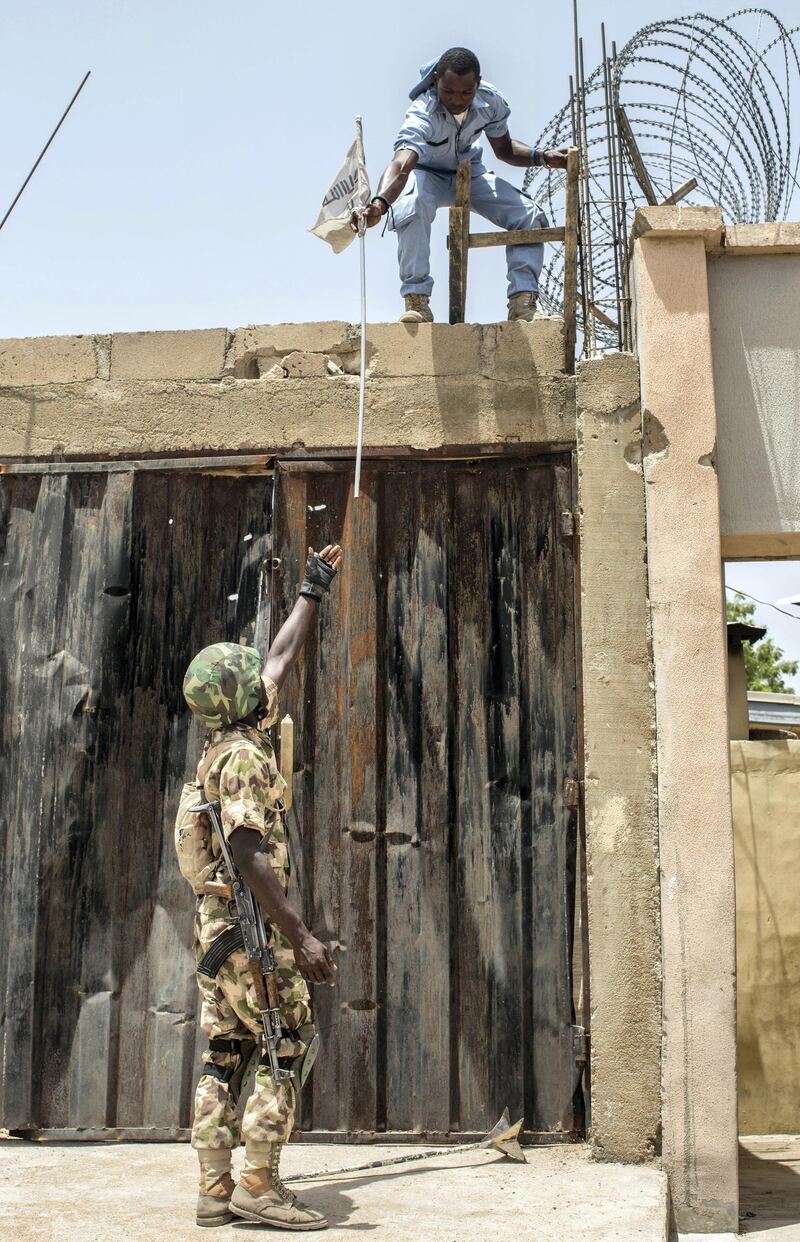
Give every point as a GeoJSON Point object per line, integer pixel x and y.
{"type": "Point", "coordinates": [223, 683]}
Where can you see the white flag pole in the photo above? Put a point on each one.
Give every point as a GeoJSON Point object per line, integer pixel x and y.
{"type": "Point", "coordinates": [363, 368]}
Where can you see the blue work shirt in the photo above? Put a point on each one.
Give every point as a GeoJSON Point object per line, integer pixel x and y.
{"type": "Point", "coordinates": [434, 134]}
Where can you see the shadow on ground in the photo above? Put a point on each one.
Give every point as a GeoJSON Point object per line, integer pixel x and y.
{"type": "Point", "coordinates": [769, 1183]}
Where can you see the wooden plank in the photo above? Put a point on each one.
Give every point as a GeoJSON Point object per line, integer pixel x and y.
{"type": "Point", "coordinates": [549, 703]}
{"type": "Point", "coordinates": [77, 988]}
{"type": "Point", "coordinates": [567, 810]}
{"type": "Point", "coordinates": [417, 825]}
{"type": "Point", "coordinates": [35, 793]}
{"type": "Point", "coordinates": [457, 241]}
{"type": "Point", "coordinates": [602, 317]}
{"type": "Point", "coordinates": [685, 188]}
{"type": "Point", "coordinates": [298, 698]}
{"type": "Point", "coordinates": [571, 224]}
{"type": "Point", "coordinates": [454, 236]}
{"type": "Point", "coordinates": [489, 936]}
{"type": "Point", "coordinates": [635, 156]}
{"type": "Point", "coordinates": [463, 197]}
{"type": "Point", "coordinates": [21, 530]}
{"type": "Point", "coordinates": [515, 237]}
{"type": "Point", "coordinates": [355, 599]}
{"type": "Point", "coordinates": [182, 1134]}
{"type": "Point", "coordinates": [161, 591]}
{"type": "Point", "coordinates": [259, 463]}
{"type": "Point", "coordinates": [324, 521]}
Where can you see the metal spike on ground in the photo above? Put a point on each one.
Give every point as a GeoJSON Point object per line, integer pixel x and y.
{"type": "Point", "coordinates": [502, 1138]}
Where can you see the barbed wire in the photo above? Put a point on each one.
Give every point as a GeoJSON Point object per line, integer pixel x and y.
{"type": "Point", "coordinates": [705, 98]}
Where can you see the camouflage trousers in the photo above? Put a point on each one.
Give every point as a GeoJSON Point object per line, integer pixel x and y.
{"type": "Point", "coordinates": [229, 1011]}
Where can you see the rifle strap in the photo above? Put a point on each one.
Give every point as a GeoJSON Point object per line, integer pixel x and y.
{"type": "Point", "coordinates": [220, 1072]}
{"type": "Point", "coordinates": [214, 752]}
{"type": "Point", "coordinates": [226, 1045]}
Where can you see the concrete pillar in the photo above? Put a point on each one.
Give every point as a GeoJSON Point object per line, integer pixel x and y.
{"type": "Point", "coordinates": [686, 595]}
{"type": "Point", "coordinates": [619, 765]}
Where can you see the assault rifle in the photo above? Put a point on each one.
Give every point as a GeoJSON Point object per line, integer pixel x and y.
{"type": "Point", "coordinates": [250, 934]}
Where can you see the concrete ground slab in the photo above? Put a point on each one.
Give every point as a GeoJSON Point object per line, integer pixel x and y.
{"type": "Point", "coordinates": [769, 1191]}
{"type": "Point", "coordinates": [146, 1192]}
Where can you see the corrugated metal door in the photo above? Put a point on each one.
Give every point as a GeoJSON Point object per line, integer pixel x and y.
{"type": "Point", "coordinates": [109, 582]}
{"type": "Point", "coordinates": [435, 731]}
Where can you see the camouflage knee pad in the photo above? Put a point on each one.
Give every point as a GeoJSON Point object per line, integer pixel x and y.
{"type": "Point", "coordinates": [216, 1125]}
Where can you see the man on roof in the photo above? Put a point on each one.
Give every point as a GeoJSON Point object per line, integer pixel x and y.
{"type": "Point", "coordinates": [452, 107]}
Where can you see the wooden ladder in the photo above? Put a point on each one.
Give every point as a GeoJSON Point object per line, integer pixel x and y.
{"type": "Point", "coordinates": [460, 241]}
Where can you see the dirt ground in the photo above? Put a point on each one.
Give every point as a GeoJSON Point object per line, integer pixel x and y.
{"type": "Point", "coordinates": [99, 1193]}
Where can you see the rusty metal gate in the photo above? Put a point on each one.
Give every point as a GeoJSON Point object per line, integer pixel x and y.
{"type": "Point", "coordinates": [435, 734]}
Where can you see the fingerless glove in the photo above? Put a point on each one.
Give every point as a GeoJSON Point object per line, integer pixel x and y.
{"type": "Point", "coordinates": [318, 579]}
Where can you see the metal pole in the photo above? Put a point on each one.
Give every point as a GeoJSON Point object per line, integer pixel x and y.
{"type": "Point", "coordinates": [612, 183]}
{"type": "Point", "coordinates": [503, 1138]}
{"type": "Point", "coordinates": [589, 341]}
{"type": "Point", "coordinates": [362, 232]}
{"type": "Point", "coordinates": [43, 152]}
{"type": "Point", "coordinates": [576, 142]}
{"type": "Point", "coordinates": [623, 211]}
{"type": "Point", "coordinates": [363, 369]}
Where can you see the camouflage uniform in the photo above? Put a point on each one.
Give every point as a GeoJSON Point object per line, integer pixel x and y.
{"type": "Point", "coordinates": [246, 782]}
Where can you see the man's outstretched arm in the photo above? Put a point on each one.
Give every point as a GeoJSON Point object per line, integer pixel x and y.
{"type": "Point", "coordinates": [390, 187]}
{"type": "Point", "coordinates": [520, 155]}
{"type": "Point", "coordinates": [293, 634]}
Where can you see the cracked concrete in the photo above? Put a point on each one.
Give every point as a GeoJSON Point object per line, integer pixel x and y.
{"type": "Point", "coordinates": [279, 385]}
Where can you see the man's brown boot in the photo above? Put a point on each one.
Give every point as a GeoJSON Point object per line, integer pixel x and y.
{"type": "Point", "coordinates": [522, 306]}
{"type": "Point", "coordinates": [213, 1202]}
{"type": "Point", "coordinates": [418, 309]}
{"type": "Point", "coordinates": [262, 1198]}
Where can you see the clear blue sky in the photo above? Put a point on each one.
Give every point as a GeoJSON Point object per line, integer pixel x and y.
{"type": "Point", "coordinates": [179, 191]}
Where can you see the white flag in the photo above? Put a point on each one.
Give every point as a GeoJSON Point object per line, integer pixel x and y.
{"type": "Point", "coordinates": [349, 192]}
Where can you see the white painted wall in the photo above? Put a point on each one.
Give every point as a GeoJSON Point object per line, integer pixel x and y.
{"type": "Point", "coordinates": [755, 340]}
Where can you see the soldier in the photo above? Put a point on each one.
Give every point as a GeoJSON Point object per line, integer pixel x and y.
{"type": "Point", "coordinates": [236, 697]}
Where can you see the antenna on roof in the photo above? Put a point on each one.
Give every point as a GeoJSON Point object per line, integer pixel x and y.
{"type": "Point", "coordinates": [44, 149]}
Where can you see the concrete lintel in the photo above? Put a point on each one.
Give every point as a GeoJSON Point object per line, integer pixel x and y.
{"type": "Point", "coordinates": [619, 765]}
{"type": "Point", "coordinates": [772, 237]}
{"type": "Point", "coordinates": [680, 222]}
{"type": "Point", "coordinates": [761, 546]}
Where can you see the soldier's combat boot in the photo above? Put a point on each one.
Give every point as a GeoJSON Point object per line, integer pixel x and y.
{"type": "Point", "coordinates": [522, 305]}
{"type": "Point", "coordinates": [418, 309]}
{"type": "Point", "coordinates": [262, 1198]}
{"type": "Point", "coordinates": [216, 1188]}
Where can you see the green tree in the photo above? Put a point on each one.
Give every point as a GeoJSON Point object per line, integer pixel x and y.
{"type": "Point", "coordinates": [763, 662]}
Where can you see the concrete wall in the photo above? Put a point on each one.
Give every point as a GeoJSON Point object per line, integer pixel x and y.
{"type": "Point", "coordinates": [284, 385]}
{"type": "Point", "coordinates": [295, 386]}
{"type": "Point", "coordinates": [738, 719]}
{"type": "Point", "coordinates": [619, 765]}
{"type": "Point", "coordinates": [755, 336]}
{"type": "Point", "coordinates": [766, 816]}
{"type": "Point", "coordinates": [689, 653]}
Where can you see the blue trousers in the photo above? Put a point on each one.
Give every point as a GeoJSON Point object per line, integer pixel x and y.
{"type": "Point", "coordinates": [494, 199]}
